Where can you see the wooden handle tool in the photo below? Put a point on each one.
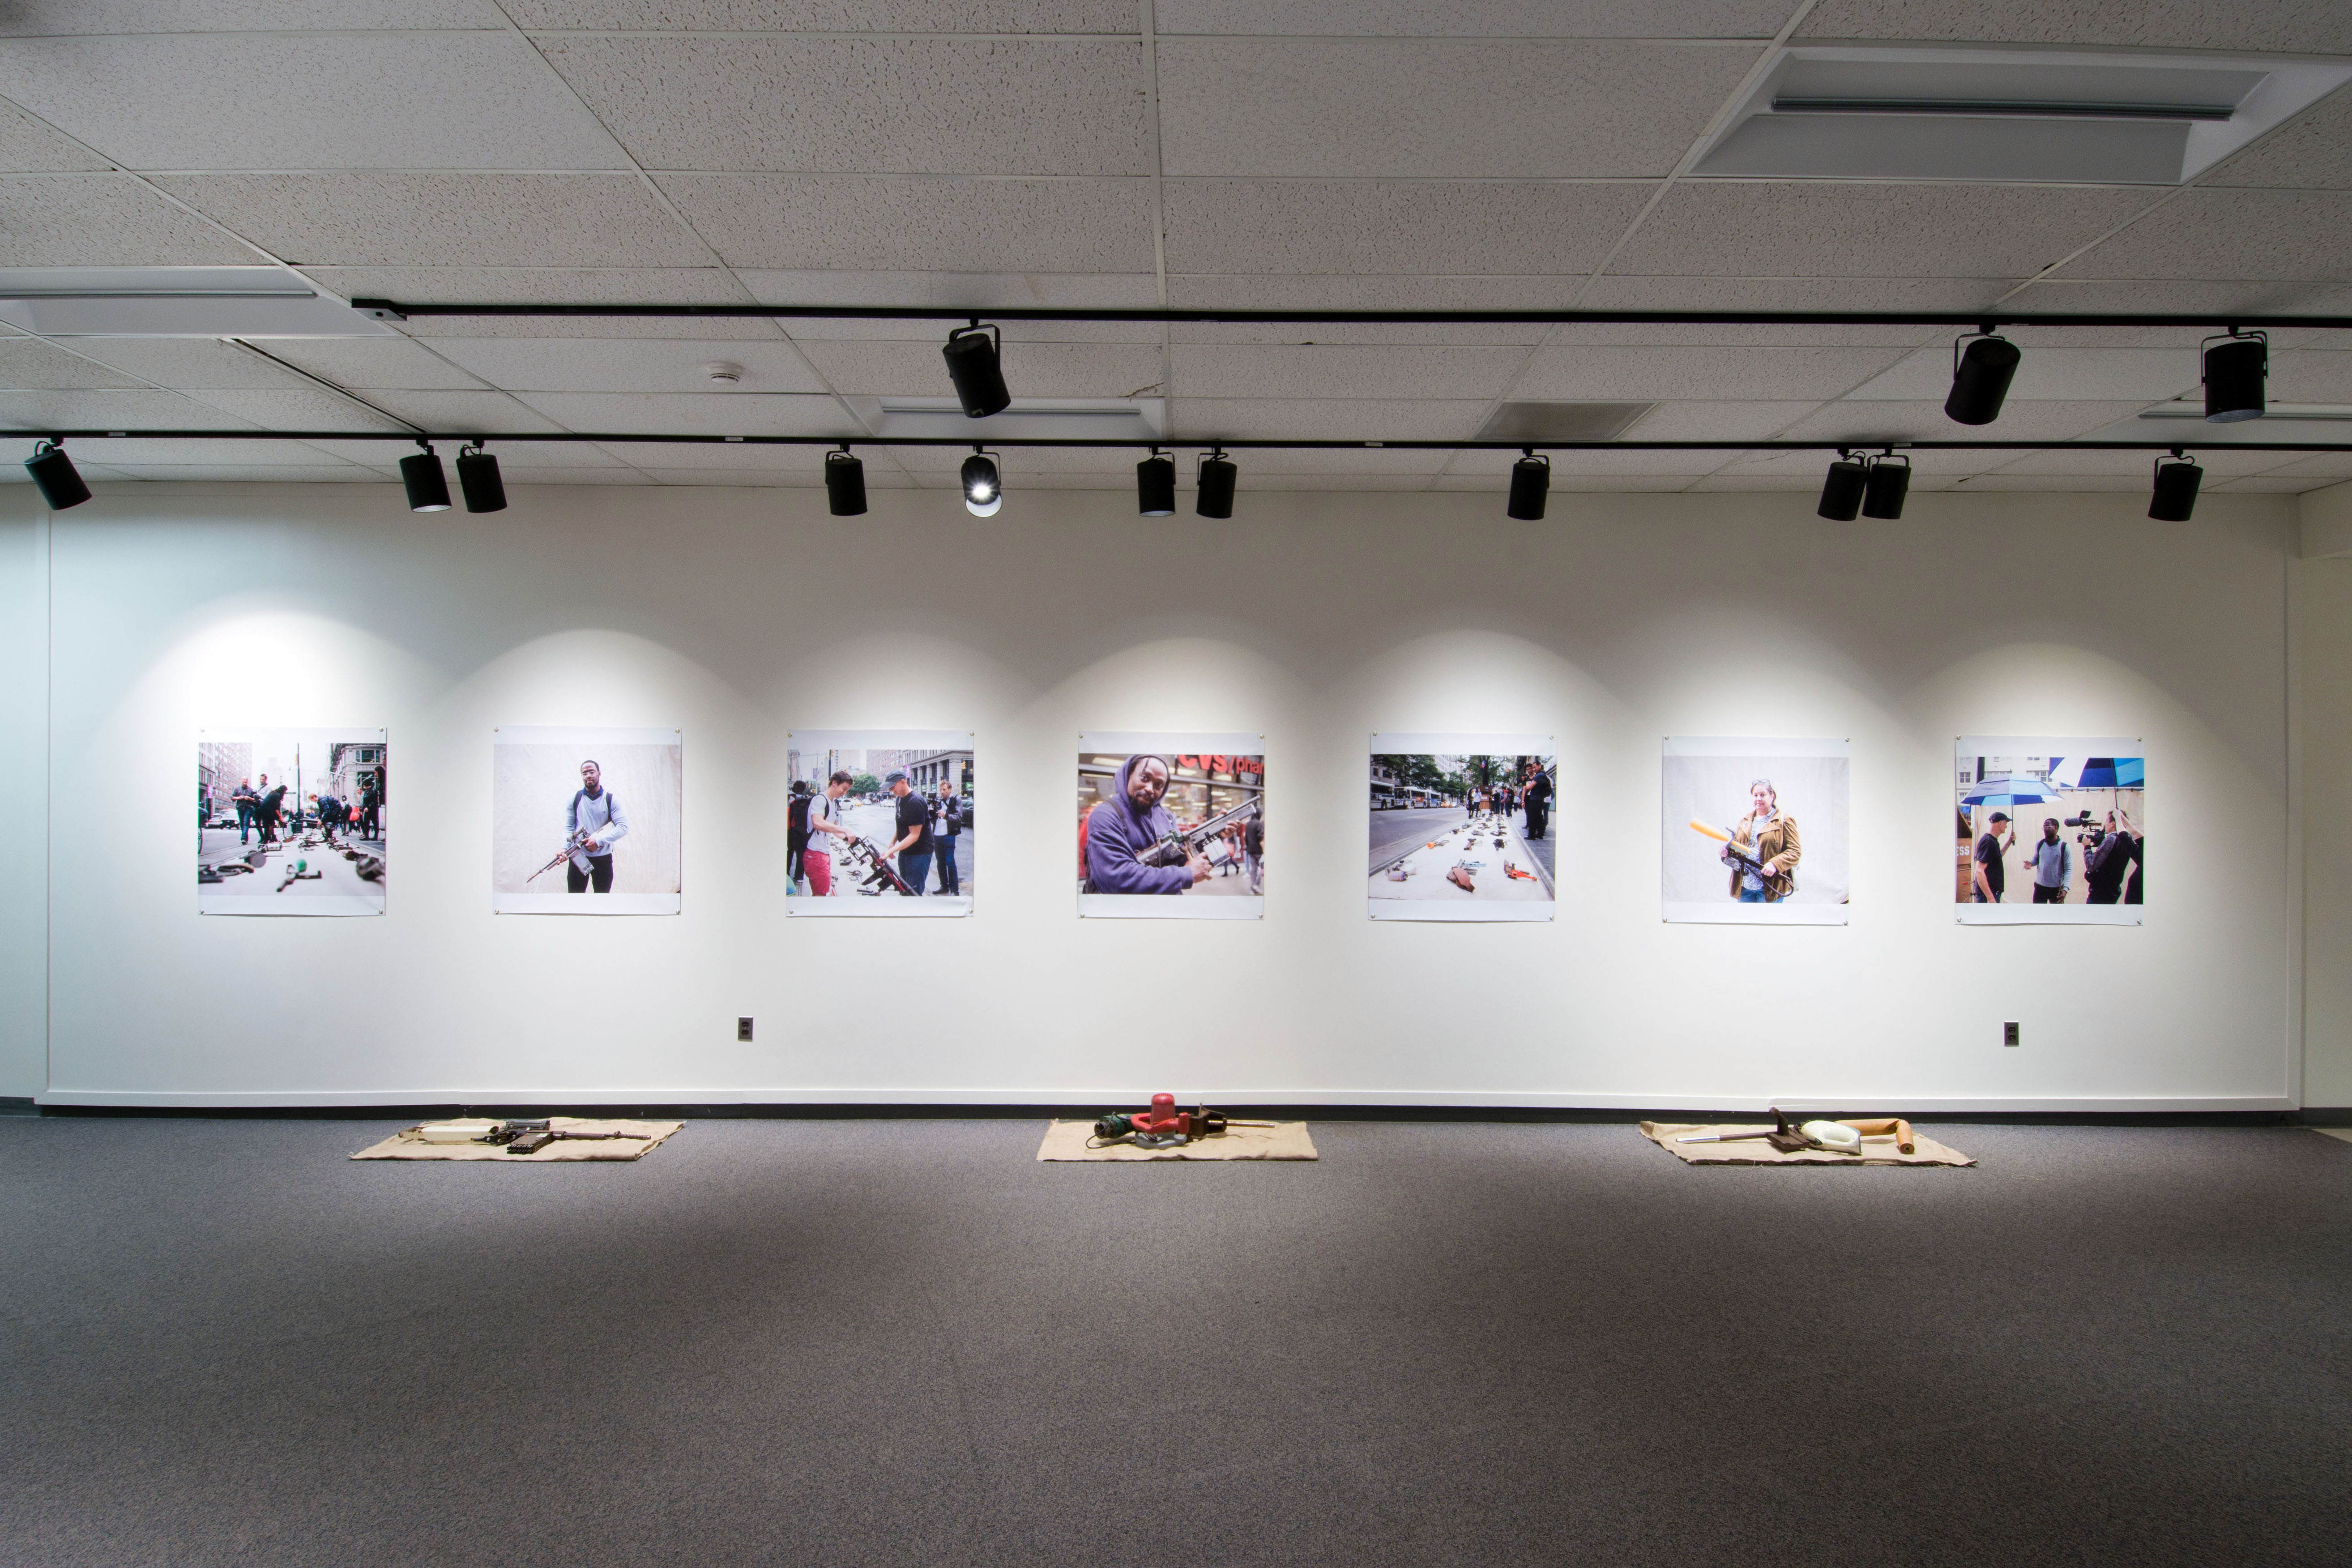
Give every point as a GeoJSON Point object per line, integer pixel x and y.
{"type": "Point", "coordinates": [1881, 1127]}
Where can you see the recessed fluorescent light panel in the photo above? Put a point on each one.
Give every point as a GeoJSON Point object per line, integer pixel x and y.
{"type": "Point", "coordinates": [1140, 420]}
{"type": "Point", "coordinates": [1560, 421]}
{"type": "Point", "coordinates": [175, 303]}
{"type": "Point", "coordinates": [1863, 111]}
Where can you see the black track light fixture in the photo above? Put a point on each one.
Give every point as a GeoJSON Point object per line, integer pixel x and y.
{"type": "Point", "coordinates": [2236, 369]}
{"type": "Point", "coordinates": [1216, 478]}
{"type": "Point", "coordinates": [1841, 489]}
{"type": "Point", "coordinates": [1530, 483]}
{"type": "Point", "coordinates": [478, 480]}
{"type": "Point", "coordinates": [2174, 498]}
{"type": "Point", "coordinates": [428, 487]}
{"type": "Point", "coordinates": [1888, 483]}
{"type": "Point", "coordinates": [984, 487]}
{"type": "Point", "coordinates": [976, 356]}
{"type": "Point", "coordinates": [55, 476]}
{"type": "Point", "coordinates": [1981, 376]}
{"type": "Point", "coordinates": [845, 483]}
{"type": "Point", "coordinates": [1155, 484]}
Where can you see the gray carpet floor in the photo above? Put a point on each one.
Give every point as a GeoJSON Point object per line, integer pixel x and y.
{"type": "Point", "coordinates": [906, 1343]}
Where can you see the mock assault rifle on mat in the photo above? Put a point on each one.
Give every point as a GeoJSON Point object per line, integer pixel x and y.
{"type": "Point", "coordinates": [571, 845]}
{"type": "Point", "coordinates": [875, 870]}
{"type": "Point", "coordinates": [1842, 1137]}
{"type": "Point", "coordinates": [531, 1137]}
{"type": "Point", "coordinates": [1178, 845]}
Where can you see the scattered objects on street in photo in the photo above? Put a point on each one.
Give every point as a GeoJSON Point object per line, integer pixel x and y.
{"type": "Point", "coordinates": [1755, 831]}
{"type": "Point", "coordinates": [1462, 827]}
{"type": "Point", "coordinates": [585, 821]}
{"type": "Point", "coordinates": [1171, 826]}
{"type": "Point", "coordinates": [879, 823]}
{"type": "Point", "coordinates": [291, 822]}
{"type": "Point", "coordinates": [2048, 830]}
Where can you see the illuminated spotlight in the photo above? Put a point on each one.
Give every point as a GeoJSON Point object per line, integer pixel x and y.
{"type": "Point", "coordinates": [477, 479]}
{"type": "Point", "coordinates": [1882, 492]}
{"type": "Point", "coordinates": [1842, 490]}
{"type": "Point", "coordinates": [1155, 484]}
{"type": "Point", "coordinates": [1530, 482]}
{"type": "Point", "coordinates": [1980, 378]}
{"type": "Point", "coordinates": [845, 483]}
{"type": "Point", "coordinates": [1216, 478]}
{"type": "Point", "coordinates": [984, 487]}
{"type": "Point", "coordinates": [2235, 370]}
{"type": "Point", "coordinates": [55, 476]}
{"type": "Point", "coordinates": [976, 356]}
{"type": "Point", "coordinates": [428, 487]}
{"type": "Point", "coordinates": [2175, 496]}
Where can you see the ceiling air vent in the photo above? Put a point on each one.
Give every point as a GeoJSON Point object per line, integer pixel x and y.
{"type": "Point", "coordinates": [1560, 421]}
{"type": "Point", "coordinates": [1924, 111]}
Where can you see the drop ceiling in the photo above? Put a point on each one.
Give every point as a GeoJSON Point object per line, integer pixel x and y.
{"type": "Point", "coordinates": [1298, 154]}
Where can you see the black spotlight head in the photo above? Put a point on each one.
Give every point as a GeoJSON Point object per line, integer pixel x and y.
{"type": "Point", "coordinates": [428, 487]}
{"type": "Point", "coordinates": [1980, 378]}
{"type": "Point", "coordinates": [2235, 370]}
{"type": "Point", "coordinates": [845, 484]}
{"type": "Point", "coordinates": [1155, 486]}
{"type": "Point", "coordinates": [976, 356]}
{"type": "Point", "coordinates": [984, 487]}
{"type": "Point", "coordinates": [55, 476]}
{"type": "Point", "coordinates": [1216, 481]}
{"type": "Point", "coordinates": [1530, 482]}
{"type": "Point", "coordinates": [1842, 490]}
{"type": "Point", "coordinates": [1882, 492]}
{"type": "Point", "coordinates": [477, 479]}
{"type": "Point", "coordinates": [2175, 497]}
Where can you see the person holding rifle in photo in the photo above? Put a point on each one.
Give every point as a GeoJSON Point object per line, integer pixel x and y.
{"type": "Point", "coordinates": [1131, 824]}
{"type": "Point", "coordinates": [592, 823]}
{"type": "Point", "coordinates": [913, 845]}
{"type": "Point", "coordinates": [1764, 850]}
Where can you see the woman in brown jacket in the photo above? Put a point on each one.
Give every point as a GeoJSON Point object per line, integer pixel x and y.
{"type": "Point", "coordinates": [1768, 838]}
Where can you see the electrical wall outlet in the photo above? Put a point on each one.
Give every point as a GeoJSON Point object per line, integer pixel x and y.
{"type": "Point", "coordinates": [743, 1029]}
{"type": "Point", "coordinates": [2007, 1032]}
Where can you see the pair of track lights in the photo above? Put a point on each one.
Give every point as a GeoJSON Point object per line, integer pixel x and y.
{"type": "Point", "coordinates": [477, 477]}
{"type": "Point", "coordinates": [2234, 370]}
{"type": "Point", "coordinates": [845, 483]}
{"type": "Point", "coordinates": [1155, 484]}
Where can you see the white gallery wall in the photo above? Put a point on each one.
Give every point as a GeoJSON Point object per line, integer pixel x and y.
{"type": "Point", "coordinates": [1315, 618]}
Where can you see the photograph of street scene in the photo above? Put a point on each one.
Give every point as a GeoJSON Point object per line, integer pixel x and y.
{"type": "Point", "coordinates": [880, 822]}
{"type": "Point", "coordinates": [291, 822]}
{"type": "Point", "coordinates": [2048, 831]}
{"type": "Point", "coordinates": [585, 821]}
{"type": "Point", "coordinates": [1756, 832]}
{"type": "Point", "coordinates": [1463, 833]}
{"type": "Point", "coordinates": [1171, 826]}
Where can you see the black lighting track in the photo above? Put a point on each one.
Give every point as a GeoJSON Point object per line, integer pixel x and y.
{"type": "Point", "coordinates": [395, 311]}
{"type": "Point", "coordinates": [1138, 444]}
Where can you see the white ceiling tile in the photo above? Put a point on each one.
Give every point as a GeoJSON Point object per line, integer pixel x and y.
{"type": "Point", "coordinates": [2312, 152]}
{"type": "Point", "coordinates": [1393, 226]}
{"type": "Point", "coordinates": [1620, 290]}
{"type": "Point", "coordinates": [104, 220]}
{"type": "Point", "coordinates": [204, 454]}
{"type": "Point", "coordinates": [1437, 108]}
{"type": "Point", "coordinates": [392, 364]}
{"type": "Point", "coordinates": [744, 479]}
{"type": "Point", "coordinates": [901, 105]}
{"type": "Point", "coordinates": [1030, 370]}
{"type": "Point", "coordinates": [512, 456]}
{"type": "Point", "coordinates": [2277, 482]}
{"type": "Point", "coordinates": [362, 219]}
{"type": "Point", "coordinates": [1709, 421]}
{"type": "Point", "coordinates": [2324, 468]}
{"type": "Point", "coordinates": [831, 15]}
{"type": "Point", "coordinates": [1720, 374]}
{"type": "Point", "coordinates": [2050, 374]}
{"type": "Point", "coordinates": [1866, 423]}
{"type": "Point", "coordinates": [2218, 465]}
{"type": "Point", "coordinates": [463, 413]}
{"type": "Point", "coordinates": [631, 364]}
{"type": "Point", "coordinates": [1570, 479]}
{"type": "Point", "coordinates": [58, 18]}
{"type": "Point", "coordinates": [247, 473]}
{"type": "Point", "coordinates": [2292, 26]}
{"type": "Point", "coordinates": [2171, 296]}
{"type": "Point", "coordinates": [34, 365]}
{"type": "Point", "coordinates": [29, 146]}
{"type": "Point", "coordinates": [1370, 291]}
{"type": "Point", "coordinates": [1741, 481]}
{"type": "Point", "coordinates": [332, 100]}
{"type": "Point", "coordinates": [1030, 462]}
{"type": "Point", "coordinates": [1249, 480]}
{"type": "Point", "coordinates": [745, 457]}
{"type": "Point", "coordinates": [2304, 376]}
{"type": "Point", "coordinates": [974, 291]}
{"type": "Point", "coordinates": [187, 363]}
{"type": "Point", "coordinates": [539, 284]}
{"type": "Point", "coordinates": [829, 222]}
{"type": "Point", "coordinates": [1211, 370]}
{"type": "Point", "coordinates": [518, 488]}
{"type": "Point", "coordinates": [295, 409]}
{"type": "Point", "coordinates": [1631, 334]}
{"type": "Point", "coordinates": [1494, 468]}
{"type": "Point", "coordinates": [1322, 334]}
{"type": "Point", "coordinates": [2232, 233]}
{"type": "Point", "coordinates": [113, 410]}
{"type": "Point", "coordinates": [934, 330]}
{"type": "Point", "coordinates": [2058, 484]}
{"type": "Point", "coordinates": [714, 414]}
{"type": "Point", "coordinates": [1326, 419]}
{"type": "Point", "coordinates": [1477, 19]}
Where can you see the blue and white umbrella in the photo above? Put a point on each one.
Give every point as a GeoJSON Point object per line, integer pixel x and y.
{"type": "Point", "coordinates": [2098, 772]}
{"type": "Point", "coordinates": [2008, 792]}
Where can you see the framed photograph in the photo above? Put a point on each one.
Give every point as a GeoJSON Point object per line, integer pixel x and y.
{"type": "Point", "coordinates": [584, 822]}
{"type": "Point", "coordinates": [1171, 826]}
{"type": "Point", "coordinates": [293, 822]}
{"type": "Point", "coordinates": [1462, 826]}
{"type": "Point", "coordinates": [881, 823]}
{"type": "Point", "coordinates": [2048, 830]}
{"type": "Point", "coordinates": [1756, 832]}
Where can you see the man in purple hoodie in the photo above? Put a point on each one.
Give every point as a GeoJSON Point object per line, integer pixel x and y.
{"type": "Point", "coordinates": [1131, 824]}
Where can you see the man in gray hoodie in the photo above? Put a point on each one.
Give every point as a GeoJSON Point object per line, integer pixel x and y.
{"type": "Point", "coordinates": [1130, 825]}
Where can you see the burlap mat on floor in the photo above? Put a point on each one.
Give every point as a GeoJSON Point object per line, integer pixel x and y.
{"type": "Point", "coordinates": [643, 1137]}
{"type": "Point", "coordinates": [1756, 1151]}
{"type": "Point", "coordinates": [1283, 1140]}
